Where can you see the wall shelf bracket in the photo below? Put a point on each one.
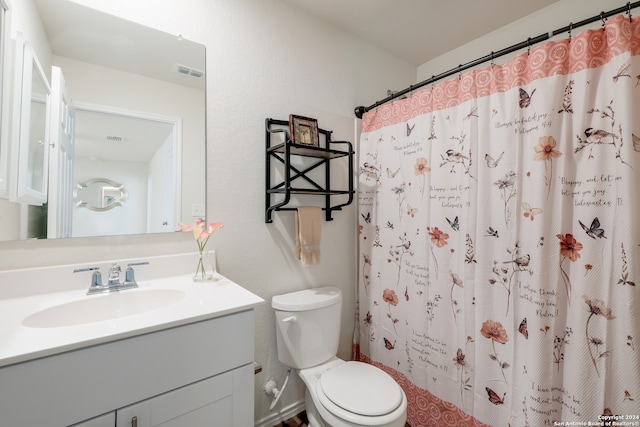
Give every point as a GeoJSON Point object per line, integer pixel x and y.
{"type": "Point", "coordinates": [278, 154]}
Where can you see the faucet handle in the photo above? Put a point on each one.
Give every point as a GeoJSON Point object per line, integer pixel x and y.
{"type": "Point", "coordinates": [138, 263]}
{"type": "Point", "coordinates": [96, 278]}
{"type": "Point", "coordinates": [129, 276]}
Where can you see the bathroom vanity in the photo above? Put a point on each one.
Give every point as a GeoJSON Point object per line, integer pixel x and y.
{"type": "Point", "coordinates": [185, 362]}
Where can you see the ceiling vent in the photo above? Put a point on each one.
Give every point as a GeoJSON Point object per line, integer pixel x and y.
{"type": "Point", "coordinates": [188, 71]}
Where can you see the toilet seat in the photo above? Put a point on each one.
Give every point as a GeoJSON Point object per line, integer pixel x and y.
{"type": "Point", "coordinates": [336, 415]}
{"type": "Point", "coordinates": [360, 388]}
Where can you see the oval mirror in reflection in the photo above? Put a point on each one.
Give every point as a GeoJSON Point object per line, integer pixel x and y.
{"type": "Point", "coordinates": [99, 194]}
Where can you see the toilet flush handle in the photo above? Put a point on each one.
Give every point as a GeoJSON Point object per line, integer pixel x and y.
{"type": "Point", "coordinates": [290, 319]}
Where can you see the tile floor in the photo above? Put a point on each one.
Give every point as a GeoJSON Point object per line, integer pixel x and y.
{"type": "Point", "coordinates": [299, 420]}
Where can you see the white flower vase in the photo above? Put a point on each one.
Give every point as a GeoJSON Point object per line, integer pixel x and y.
{"type": "Point", "coordinates": [206, 266]}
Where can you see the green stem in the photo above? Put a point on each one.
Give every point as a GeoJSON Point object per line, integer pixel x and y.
{"type": "Point", "coordinates": [200, 269]}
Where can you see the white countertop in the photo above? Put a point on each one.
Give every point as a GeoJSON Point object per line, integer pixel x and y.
{"type": "Point", "coordinates": [203, 300]}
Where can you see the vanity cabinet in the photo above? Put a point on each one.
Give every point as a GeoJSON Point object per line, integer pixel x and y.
{"type": "Point", "coordinates": [205, 403]}
{"type": "Point", "coordinates": [198, 374]}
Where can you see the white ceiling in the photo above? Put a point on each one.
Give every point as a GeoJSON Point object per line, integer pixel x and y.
{"type": "Point", "coordinates": [419, 30]}
{"type": "Point", "coordinates": [113, 137]}
{"type": "Point", "coordinates": [88, 35]}
{"type": "Point", "coordinates": [84, 34]}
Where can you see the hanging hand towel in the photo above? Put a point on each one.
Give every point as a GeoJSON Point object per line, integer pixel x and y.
{"type": "Point", "coordinates": [308, 228]}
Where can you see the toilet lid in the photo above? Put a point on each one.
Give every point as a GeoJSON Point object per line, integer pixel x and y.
{"type": "Point", "coordinates": [361, 388]}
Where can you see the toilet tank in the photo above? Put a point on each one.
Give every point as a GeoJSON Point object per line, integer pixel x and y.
{"type": "Point", "coordinates": [308, 326]}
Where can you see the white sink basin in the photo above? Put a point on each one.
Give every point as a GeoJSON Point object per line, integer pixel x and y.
{"type": "Point", "coordinates": [97, 308]}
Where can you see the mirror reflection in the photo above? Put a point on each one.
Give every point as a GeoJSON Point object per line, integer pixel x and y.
{"type": "Point", "coordinates": [99, 195]}
{"type": "Point", "coordinates": [37, 131]}
{"type": "Point", "coordinates": [119, 75]}
{"type": "Point", "coordinates": [30, 160]}
{"type": "Point", "coordinates": [137, 152]}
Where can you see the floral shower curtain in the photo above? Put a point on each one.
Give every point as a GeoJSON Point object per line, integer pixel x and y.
{"type": "Point", "coordinates": [498, 238]}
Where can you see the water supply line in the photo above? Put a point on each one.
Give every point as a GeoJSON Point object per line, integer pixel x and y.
{"type": "Point", "coordinates": [271, 388]}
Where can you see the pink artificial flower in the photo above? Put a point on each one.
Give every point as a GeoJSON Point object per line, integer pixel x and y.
{"type": "Point", "coordinates": [201, 232]}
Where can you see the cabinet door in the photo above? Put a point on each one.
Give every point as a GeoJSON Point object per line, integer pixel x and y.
{"type": "Point", "coordinates": [33, 143]}
{"type": "Point", "coordinates": [217, 401]}
{"type": "Point", "coordinates": [106, 420]}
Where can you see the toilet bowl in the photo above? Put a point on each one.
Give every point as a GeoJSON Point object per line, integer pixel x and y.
{"type": "Point", "coordinates": [338, 393]}
{"type": "Point", "coordinates": [353, 394]}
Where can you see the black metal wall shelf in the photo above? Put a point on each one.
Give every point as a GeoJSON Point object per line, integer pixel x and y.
{"type": "Point", "coordinates": [323, 155]}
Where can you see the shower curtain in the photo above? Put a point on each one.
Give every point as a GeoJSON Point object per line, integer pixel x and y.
{"type": "Point", "coordinates": [498, 239]}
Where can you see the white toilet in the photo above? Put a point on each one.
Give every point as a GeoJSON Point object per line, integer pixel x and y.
{"type": "Point", "coordinates": [339, 393]}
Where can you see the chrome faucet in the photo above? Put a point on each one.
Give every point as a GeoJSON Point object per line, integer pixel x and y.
{"type": "Point", "coordinates": [114, 275]}
{"type": "Point", "coordinates": [114, 283]}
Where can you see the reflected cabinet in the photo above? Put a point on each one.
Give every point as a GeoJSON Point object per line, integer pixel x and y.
{"type": "Point", "coordinates": [31, 158]}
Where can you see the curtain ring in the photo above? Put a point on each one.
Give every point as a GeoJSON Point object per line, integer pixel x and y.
{"type": "Point", "coordinates": [459, 71]}
{"type": "Point", "coordinates": [629, 11]}
{"type": "Point", "coordinates": [570, 29]}
{"type": "Point", "coordinates": [604, 20]}
{"type": "Point", "coordinates": [528, 46]}
{"type": "Point", "coordinates": [492, 59]}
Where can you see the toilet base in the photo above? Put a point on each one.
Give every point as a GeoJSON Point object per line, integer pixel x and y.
{"type": "Point", "coordinates": [315, 420]}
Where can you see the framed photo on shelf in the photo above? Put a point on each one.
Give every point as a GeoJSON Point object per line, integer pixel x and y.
{"type": "Point", "coordinates": [304, 130]}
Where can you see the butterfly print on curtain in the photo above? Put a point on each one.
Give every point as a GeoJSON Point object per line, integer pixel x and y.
{"type": "Point", "coordinates": [532, 152]}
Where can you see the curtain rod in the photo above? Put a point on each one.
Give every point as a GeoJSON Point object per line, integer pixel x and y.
{"type": "Point", "coordinates": [359, 111]}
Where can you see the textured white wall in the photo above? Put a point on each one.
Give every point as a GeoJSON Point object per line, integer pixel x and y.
{"type": "Point", "coordinates": [555, 16]}
{"type": "Point", "coordinates": [263, 60]}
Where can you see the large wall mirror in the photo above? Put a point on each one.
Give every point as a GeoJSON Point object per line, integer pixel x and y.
{"type": "Point", "coordinates": [136, 104]}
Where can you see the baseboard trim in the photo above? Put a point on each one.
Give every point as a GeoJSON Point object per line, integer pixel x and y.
{"type": "Point", "coordinates": [282, 415]}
